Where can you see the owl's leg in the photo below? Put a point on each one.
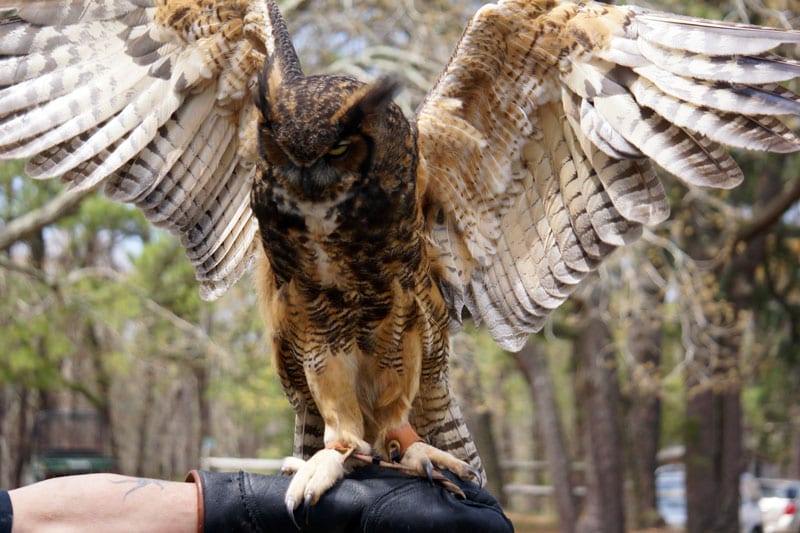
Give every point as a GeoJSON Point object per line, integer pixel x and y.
{"type": "Point", "coordinates": [334, 394]}
{"type": "Point", "coordinates": [420, 457]}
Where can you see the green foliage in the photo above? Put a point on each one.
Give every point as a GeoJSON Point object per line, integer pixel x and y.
{"type": "Point", "coordinates": [98, 214]}
{"type": "Point", "coordinates": [18, 194]}
{"type": "Point", "coordinates": [673, 405]}
{"type": "Point", "coordinates": [163, 272]}
{"type": "Point", "coordinates": [257, 404]}
{"type": "Point", "coordinates": [115, 313]}
{"type": "Point", "coordinates": [768, 405]}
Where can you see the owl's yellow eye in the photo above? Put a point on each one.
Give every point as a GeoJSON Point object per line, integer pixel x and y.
{"type": "Point", "coordinates": [340, 149]}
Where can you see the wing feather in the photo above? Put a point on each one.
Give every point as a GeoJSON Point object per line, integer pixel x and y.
{"type": "Point", "coordinates": [764, 68]}
{"type": "Point", "coordinates": [536, 142]}
{"type": "Point", "coordinates": [149, 99]}
{"type": "Point", "coordinates": [709, 37]}
{"type": "Point", "coordinates": [740, 131]}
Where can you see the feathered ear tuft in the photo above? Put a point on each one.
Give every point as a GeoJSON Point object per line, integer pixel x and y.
{"type": "Point", "coordinates": [261, 98]}
{"type": "Point", "coordinates": [367, 100]}
{"type": "Point", "coordinates": [281, 63]}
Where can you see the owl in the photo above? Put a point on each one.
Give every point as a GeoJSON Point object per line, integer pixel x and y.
{"type": "Point", "coordinates": [372, 234]}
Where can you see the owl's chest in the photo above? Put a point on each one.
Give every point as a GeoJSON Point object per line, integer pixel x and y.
{"type": "Point", "coordinates": [319, 252]}
{"type": "Point", "coordinates": [345, 262]}
{"type": "Point", "coordinates": [354, 241]}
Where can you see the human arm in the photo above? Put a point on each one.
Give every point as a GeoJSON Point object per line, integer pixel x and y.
{"type": "Point", "coordinates": [105, 502]}
{"type": "Point", "coordinates": [369, 499]}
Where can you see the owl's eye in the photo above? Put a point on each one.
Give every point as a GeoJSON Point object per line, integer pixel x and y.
{"type": "Point", "coordinates": [340, 149]}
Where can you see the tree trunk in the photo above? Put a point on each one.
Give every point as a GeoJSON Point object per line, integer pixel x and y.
{"type": "Point", "coordinates": [24, 447]}
{"type": "Point", "coordinates": [713, 462]}
{"type": "Point", "coordinates": [532, 361]}
{"type": "Point", "coordinates": [731, 466]}
{"type": "Point", "coordinates": [469, 391]}
{"type": "Point", "coordinates": [102, 396]}
{"type": "Point", "coordinates": [5, 440]}
{"type": "Point", "coordinates": [644, 413]}
{"type": "Point", "coordinates": [203, 404]}
{"type": "Point", "coordinates": [599, 392]}
{"type": "Point", "coordinates": [714, 426]}
{"type": "Point", "coordinates": [145, 421]}
{"type": "Point", "coordinates": [481, 428]}
{"type": "Point", "coordinates": [713, 435]}
{"type": "Point", "coordinates": [794, 465]}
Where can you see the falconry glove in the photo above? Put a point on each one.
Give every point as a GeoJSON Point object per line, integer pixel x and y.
{"type": "Point", "coordinates": [370, 499]}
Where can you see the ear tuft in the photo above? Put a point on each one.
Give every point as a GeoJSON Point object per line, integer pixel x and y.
{"type": "Point", "coordinates": [367, 100]}
{"type": "Point", "coordinates": [380, 93]}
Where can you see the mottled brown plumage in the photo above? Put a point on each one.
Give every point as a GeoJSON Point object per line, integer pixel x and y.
{"type": "Point", "coordinates": [527, 164]}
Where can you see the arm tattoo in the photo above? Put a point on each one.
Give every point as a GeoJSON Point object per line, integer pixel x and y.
{"type": "Point", "coordinates": [138, 483]}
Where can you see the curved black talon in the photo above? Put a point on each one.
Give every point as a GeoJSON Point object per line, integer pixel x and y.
{"type": "Point", "coordinates": [290, 510]}
{"type": "Point", "coordinates": [428, 467]}
{"type": "Point", "coordinates": [453, 488]}
{"type": "Point", "coordinates": [307, 508]}
{"type": "Point", "coordinates": [476, 474]}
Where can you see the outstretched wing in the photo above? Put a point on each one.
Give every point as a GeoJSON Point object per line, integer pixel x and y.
{"type": "Point", "coordinates": [149, 99]}
{"type": "Point", "coordinates": [536, 142]}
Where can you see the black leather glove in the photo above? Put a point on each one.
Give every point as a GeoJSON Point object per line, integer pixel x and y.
{"type": "Point", "coordinates": [370, 499]}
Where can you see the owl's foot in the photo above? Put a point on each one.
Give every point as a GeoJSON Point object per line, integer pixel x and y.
{"type": "Point", "coordinates": [407, 447]}
{"type": "Point", "coordinates": [315, 476]}
{"type": "Point", "coordinates": [421, 458]}
{"type": "Point", "coordinates": [408, 453]}
{"type": "Point", "coordinates": [426, 461]}
{"type": "Point", "coordinates": [312, 478]}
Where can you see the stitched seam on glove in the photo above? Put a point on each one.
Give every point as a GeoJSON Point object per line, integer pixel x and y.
{"type": "Point", "coordinates": [253, 515]}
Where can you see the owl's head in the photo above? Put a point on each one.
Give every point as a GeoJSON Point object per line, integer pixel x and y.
{"type": "Point", "coordinates": [322, 134]}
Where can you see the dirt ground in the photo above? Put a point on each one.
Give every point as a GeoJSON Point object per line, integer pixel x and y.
{"type": "Point", "coordinates": [525, 523]}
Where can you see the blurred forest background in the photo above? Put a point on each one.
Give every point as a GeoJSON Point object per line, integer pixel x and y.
{"type": "Point", "coordinates": [689, 340]}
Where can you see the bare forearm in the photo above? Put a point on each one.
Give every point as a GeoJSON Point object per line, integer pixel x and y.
{"type": "Point", "coordinates": [105, 502]}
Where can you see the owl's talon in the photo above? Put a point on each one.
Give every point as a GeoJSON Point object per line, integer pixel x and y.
{"type": "Point", "coordinates": [453, 488]}
{"type": "Point", "coordinates": [308, 501]}
{"type": "Point", "coordinates": [476, 474]}
{"type": "Point", "coordinates": [428, 466]}
{"type": "Point", "coordinates": [291, 505]}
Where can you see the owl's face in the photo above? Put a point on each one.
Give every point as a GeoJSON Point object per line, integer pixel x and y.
{"type": "Point", "coordinates": [339, 178]}
{"type": "Point", "coordinates": [322, 135]}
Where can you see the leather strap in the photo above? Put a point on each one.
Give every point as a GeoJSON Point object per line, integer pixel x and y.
{"type": "Point", "coordinates": [194, 477]}
{"type": "Point", "coordinates": [398, 440]}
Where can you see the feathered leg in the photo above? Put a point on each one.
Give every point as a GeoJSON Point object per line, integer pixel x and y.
{"type": "Point", "coordinates": [344, 429]}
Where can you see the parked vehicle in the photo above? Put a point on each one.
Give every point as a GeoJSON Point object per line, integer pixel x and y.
{"type": "Point", "coordinates": [671, 494]}
{"type": "Point", "coordinates": [750, 517]}
{"type": "Point", "coordinates": [780, 505]}
{"type": "Point", "coordinates": [671, 499]}
{"type": "Point", "coordinates": [69, 442]}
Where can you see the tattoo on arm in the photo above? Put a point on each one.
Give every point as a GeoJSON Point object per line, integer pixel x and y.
{"type": "Point", "coordinates": [138, 483]}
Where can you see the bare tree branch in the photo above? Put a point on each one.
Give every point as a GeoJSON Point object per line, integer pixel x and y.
{"type": "Point", "coordinates": [60, 206]}
{"type": "Point", "coordinates": [770, 214]}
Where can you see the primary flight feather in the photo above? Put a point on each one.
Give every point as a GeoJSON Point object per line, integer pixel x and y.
{"type": "Point", "coordinates": [528, 163]}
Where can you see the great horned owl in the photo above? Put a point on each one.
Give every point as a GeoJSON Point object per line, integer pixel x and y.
{"type": "Point", "coordinates": [528, 163]}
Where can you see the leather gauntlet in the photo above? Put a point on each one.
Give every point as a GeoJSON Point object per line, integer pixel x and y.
{"type": "Point", "coordinates": [370, 499]}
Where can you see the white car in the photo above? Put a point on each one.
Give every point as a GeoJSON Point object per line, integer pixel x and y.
{"type": "Point", "coordinates": [750, 518]}
{"type": "Point", "coordinates": [671, 499]}
{"type": "Point", "coordinates": [780, 505]}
